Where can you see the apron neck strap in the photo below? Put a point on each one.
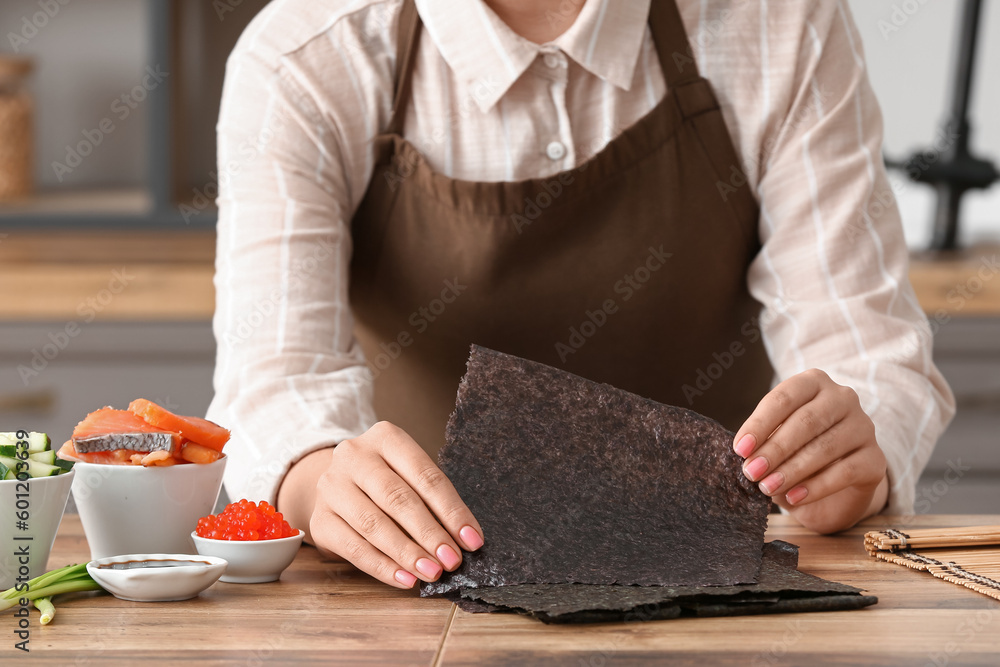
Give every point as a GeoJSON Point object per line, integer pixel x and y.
{"type": "Point", "coordinates": [669, 35]}
{"type": "Point", "coordinates": [407, 37]}
{"type": "Point", "coordinates": [672, 44]}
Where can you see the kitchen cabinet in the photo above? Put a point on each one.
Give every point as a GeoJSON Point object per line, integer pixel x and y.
{"type": "Point", "coordinates": [153, 73]}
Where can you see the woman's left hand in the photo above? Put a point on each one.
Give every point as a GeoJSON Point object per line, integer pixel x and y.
{"type": "Point", "coordinates": [812, 449]}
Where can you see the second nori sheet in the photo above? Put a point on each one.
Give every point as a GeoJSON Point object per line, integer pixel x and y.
{"type": "Point", "coordinates": [780, 589]}
{"type": "Point", "coordinates": [579, 482]}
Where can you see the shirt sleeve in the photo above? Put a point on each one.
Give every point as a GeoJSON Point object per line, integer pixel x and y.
{"type": "Point", "coordinates": [289, 377]}
{"type": "Point", "coordinates": [832, 273]}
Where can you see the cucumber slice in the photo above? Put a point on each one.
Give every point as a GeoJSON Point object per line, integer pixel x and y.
{"type": "Point", "coordinates": [9, 451]}
{"type": "Point", "coordinates": [38, 469]}
{"type": "Point", "coordinates": [10, 463]}
{"type": "Point", "coordinates": [64, 464]}
{"type": "Point", "coordinates": [37, 442]}
{"type": "Point", "coordinates": [35, 468]}
{"type": "Point", "coordinates": [47, 457]}
{"type": "Point", "coordinates": [3, 471]}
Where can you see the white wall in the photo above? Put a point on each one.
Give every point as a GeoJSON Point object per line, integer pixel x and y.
{"type": "Point", "coordinates": [910, 69]}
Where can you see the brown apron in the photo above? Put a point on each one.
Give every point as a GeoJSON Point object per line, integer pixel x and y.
{"type": "Point", "coordinates": [629, 269]}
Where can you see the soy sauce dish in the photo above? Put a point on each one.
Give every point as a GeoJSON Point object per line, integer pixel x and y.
{"type": "Point", "coordinates": [156, 577]}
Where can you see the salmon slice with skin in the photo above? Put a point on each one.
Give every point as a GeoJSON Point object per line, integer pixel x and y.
{"type": "Point", "coordinates": [122, 457]}
{"type": "Point", "coordinates": [197, 430]}
{"type": "Point", "coordinates": [108, 430]}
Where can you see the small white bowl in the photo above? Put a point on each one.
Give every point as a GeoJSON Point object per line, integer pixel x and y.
{"type": "Point", "coordinates": [30, 513]}
{"type": "Point", "coordinates": [251, 562]}
{"type": "Point", "coordinates": [128, 509]}
{"type": "Point", "coordinates": [160, 581]}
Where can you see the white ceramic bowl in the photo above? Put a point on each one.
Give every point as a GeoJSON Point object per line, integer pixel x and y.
{"type": "Point", "coordinates": [137, 510]}
{"type": "Point", "coordinates": [44, 501]}
{"type": "Point", "coordinates": [251, 562]}
{"type": "Point", "coordinates": [188, 576]}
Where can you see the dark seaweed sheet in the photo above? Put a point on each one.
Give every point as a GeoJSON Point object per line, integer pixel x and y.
{"type": "Point", "coordinates": [579, 482]}
{"type": "Point", "coordinates": [780, 588]}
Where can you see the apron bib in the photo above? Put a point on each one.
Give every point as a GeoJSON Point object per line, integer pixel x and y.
{"type": "Point", "coordinates": [629, 269]}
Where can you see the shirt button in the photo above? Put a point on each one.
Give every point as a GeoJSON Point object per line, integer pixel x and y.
{"type": "Point", "coordinates": [551, 60]}
{"type": "Point", "coordinates": [555, 150]}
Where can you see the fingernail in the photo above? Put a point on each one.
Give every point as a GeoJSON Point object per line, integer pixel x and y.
{"type": "Point", "coordinates": [405, 578]}
{"type": "Point", "coordinates": [772, 483]}
{"type": "Point", "coordinates": [448, 556]}
{"type": "Point", "coordinates": [471, 538]}
{"type": "Point", "coordinates": [428, 568]}
{"type": "Point", "coordinates": [755, 469]}
{"type": "Point", "coordinates": [746, 444]}
{"type": "Point", "coordinates": [797, 495]}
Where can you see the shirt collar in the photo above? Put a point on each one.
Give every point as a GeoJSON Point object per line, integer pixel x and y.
{"type": "Point", "coordinates": [487, 57]}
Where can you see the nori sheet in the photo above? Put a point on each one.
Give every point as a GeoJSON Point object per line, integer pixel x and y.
{"type": "Point", "coordinates": [780, 589]}
{"type": "Point", "coordinates": [579, 482]}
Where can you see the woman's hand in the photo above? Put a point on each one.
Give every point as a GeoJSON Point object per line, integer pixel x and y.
{"type": "Point", "coordinates": [812, 449]}
{"type": "Point", "coordinates": [383, 505]}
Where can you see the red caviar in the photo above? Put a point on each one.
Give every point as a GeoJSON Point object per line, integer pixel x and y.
{"type": "Point", "coordinates": [246, 521]}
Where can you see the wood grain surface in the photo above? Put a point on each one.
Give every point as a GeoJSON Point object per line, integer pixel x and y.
{"type": "Point", "coordinates": [328, 613]}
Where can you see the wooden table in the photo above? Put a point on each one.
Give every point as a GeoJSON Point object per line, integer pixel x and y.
{"type": "Point", "coordinates": [328, 613]}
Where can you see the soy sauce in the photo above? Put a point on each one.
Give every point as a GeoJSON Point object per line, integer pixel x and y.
{"type": "Point", "coordinates": [137, 564]}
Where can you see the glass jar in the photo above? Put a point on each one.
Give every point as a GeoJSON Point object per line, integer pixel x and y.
{"type": "Point", "coordinates": [16, 128]}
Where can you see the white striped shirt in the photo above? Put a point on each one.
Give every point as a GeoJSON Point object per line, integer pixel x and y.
{"type": "Point", "coordinates": [310, 85]}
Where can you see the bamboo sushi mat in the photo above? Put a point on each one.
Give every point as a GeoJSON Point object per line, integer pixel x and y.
{"type": "Point", "coordinates": [960, 555]}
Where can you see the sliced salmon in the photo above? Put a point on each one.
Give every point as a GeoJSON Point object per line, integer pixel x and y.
{"type": "Point", "coordinates": [195, 453]}
{"type": "Point", "coordinates": [160, 458]}
{"type": "Point", "coordinates": [108, 430]}
{"type": "Point", "coordinates": [197, 430]}
{"type": "Point", "coordinates": [118, 457]}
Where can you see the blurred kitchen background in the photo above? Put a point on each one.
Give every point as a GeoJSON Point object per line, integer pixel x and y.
{"type": "Point", "coordinates": [106, 243]}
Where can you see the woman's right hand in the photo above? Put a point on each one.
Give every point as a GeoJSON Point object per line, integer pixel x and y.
{"type": "Point", "coordinates": [383, 505]}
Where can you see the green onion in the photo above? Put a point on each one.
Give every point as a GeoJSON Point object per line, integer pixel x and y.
{"type": "Point", "coordinates": [69, 579]}
{"type": "Point", "coordinates": [48, 610]}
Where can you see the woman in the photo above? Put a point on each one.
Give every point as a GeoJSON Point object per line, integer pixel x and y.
{"type": "Point", "coordinates": [555, 179]}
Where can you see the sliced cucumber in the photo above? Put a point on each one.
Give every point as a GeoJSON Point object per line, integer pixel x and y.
{"type": "Point", "coordinates": [37, 442]}
{"type": "Point", "coordinates": [8, 451]}
{"type": "Point", "coordinates": [10, 463]}
{"type": "Point", "coordinates": [64, 464]}
{"type": "Point", "coordinates": [35, 468]}
{"type": "Point", "coordinates": [38, 469]}
{"type": "Point", "coordinates": [48, 457]}
{"type": "Point", "coordinates": [3, 471]}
